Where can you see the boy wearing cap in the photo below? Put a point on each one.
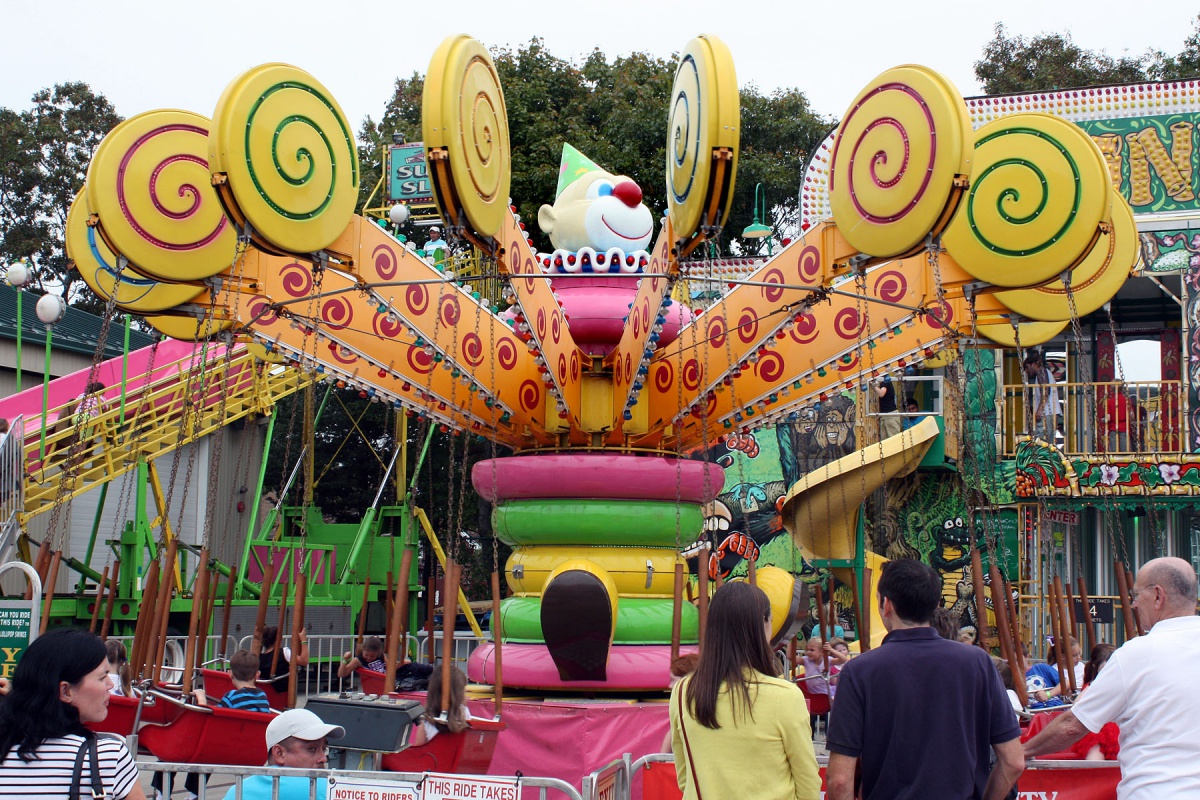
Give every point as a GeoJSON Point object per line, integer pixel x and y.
{"type": "Point", "coordinates": [295, 739]}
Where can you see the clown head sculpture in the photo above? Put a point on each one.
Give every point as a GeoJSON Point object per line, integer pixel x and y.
{"type": "Point", "coordinates": [594, 208]}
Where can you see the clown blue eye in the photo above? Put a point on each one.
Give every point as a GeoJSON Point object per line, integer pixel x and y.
{"type": "Point", "coordinates": [600, 188]}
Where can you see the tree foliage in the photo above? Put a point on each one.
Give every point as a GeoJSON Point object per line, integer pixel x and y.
{"type": "Point", "coordinates": [44, 155]}
{"type": "Point", "coordinates": [1014, 63]}
{"type": "Point", "coordinates": [615, 112]}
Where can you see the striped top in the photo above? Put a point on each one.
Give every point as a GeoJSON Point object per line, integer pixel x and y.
{"type": "Point", "coordinates": [245, 699]}
{"type": "Point", "coordinates": [49, 774]}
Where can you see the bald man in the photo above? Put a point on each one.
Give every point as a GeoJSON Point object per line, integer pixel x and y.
{"type": "Point", "coordinates": [1148, 687]}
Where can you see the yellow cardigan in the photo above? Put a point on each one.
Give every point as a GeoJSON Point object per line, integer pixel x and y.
{"type": "Point", "coordinates": [767, 755]}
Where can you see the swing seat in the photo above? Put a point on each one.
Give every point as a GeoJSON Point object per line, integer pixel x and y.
{"type": "Point", "coordinates": [206, 735]}
{"type": "Point", "coordinates": [1040, 720]}
{"type": "Point", "coordinates": [466, 753]}
{"type": "Point", "coordinates": [217, 684]}
{"type": "Point", "coordinates": [122, 711]}
{"type": "Point", "coordinates": [371, 681]}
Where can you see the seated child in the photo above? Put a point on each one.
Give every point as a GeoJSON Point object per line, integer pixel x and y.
{"type": "Point", "coordinates": [245, 695]}
{"type": "Point", "coordinates": [1005, 671]}
{"type": "Point", "coordinates": [370, 658]}
{"type": "Point", "coordinates": [118, 669]}
{"type": "Point", "coordinates": [1105, 745]}
{"type": "Point", "coordinates": [456, 721]}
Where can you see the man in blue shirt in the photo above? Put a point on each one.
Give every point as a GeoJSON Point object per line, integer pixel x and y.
{"type": "Point", "coordinates": [921, 714]}
{"type": "Point", "coordinates": [296, 739]}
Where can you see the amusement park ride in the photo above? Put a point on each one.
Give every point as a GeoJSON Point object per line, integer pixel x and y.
{"type": "Point", "coordinates": [590, 366]}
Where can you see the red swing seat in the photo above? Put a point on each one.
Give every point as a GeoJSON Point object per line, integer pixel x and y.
{"type": "Point", "coordinates": [371, 681]}
{"type": "Point", "coordinates": [122, 711]}
{"type": "Point", "coordinates": [217, 684]}
{"type": "Point", "coordinates": [207, 735]}
{"type": "Point", "coordinates": [1040, 720]}
{"type": "Point", "coordinates": [466, 753]}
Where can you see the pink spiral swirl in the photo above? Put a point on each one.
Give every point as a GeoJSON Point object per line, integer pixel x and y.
{"type": "Point", "coordinates": [450, 310]}
{"type": "Point", "coordinates": [664, 377]}
{"type": "Point", "coordinates": [943, 310]}
{"type": "Point", "coordinates": [385, 326]}
{"type": "Point", "coordinates": [556, 327]}
{"type": "Point", "coordinates": [419, 361]}
{"type": "Point", "coordinates": [337, 313]}
{"type": "Point", "coordinates": [506, 353]}
{"type": "Point", "coordinates": [773, 293]}
{"type": "Point", "coordinates": [748, 325]}
{"type": "Point", "coordinates": [848, 323]}
{"type": "Point", "coordinates": [770, 366]}
{"type": "Point", "coordinates": [852, 366]}
{"type": "Point", "coordinates": [472, 349]}
{"type": "Point", "coordinates": [575, 365]}
{"type": "Point", "coordinates": [637, 325]}
{"type": "Point", "coordinates": [341, 355]}
{"type": "Point", "coordinates": [628, 369]}
{"type": "Point", "coordinates": [514, 258]}
{"type": "Point", "coordinates": [416, 299]}
{"type": "Point", "coordinates": [296, 279]}
{"type": "Point", "coordinates": [891, 286]}
{"type": "Point", "coordinates": [693, 373]}
{"type": "Point", "coordinates": [715, 332]}
{"type": "Point", "coordinates": [808, 264]}
{"type": "Point", "coordinates": [804, 329]}
{"type": "Point", "coordinates": [384, 258]}
{"type": "Point", "coordinates": [540, 323]}
{"type": "Point", "coordinates": [530, 395]}
{"type": "Point", "coordinates": [563, 369]}
{"type": "Point", "coordinates": [259, 305]}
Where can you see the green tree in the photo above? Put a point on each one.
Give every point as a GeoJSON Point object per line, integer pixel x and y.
{"type": "Point", "coordinates": [1182, 66]}
{"type": "Point", "coordinates": [1050, 61]}
{"type": "Point", "coordinates": [45, 152]}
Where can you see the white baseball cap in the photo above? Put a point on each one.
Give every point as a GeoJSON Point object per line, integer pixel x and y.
{"type": "Point", "coordinates": [302, 724]}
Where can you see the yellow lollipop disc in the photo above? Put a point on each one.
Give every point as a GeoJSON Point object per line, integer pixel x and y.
{"type": "Point", "coordinates": [1093, 283]}
{"type": "Point", "coordinates": [97, 265]}
{"type": "Point", "coordinates": [188, 329]}
{"type": "Point", "coordinates": [287, 157]}
{"type": "Point", "coordinates": [1032, 333]}
{"type": "Point", "coordinates": [705, 116]}
{"type": "Point", "coordinates": [898, 149]}
{"type": "Point", "coordinates": [1039, 191]}
{"type": "Point", "coordinates": [465, 125]}
{"type": "Point", "coordinates": [149, 184]}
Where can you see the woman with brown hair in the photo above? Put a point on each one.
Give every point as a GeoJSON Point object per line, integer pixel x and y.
{"type": "Point", "coordinates": [732, 717]}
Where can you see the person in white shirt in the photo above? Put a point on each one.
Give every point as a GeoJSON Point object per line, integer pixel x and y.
{"type": "Point", "coordinates": [1148, 688]}
{"type": "Point", "coordinates": [1045, 404]}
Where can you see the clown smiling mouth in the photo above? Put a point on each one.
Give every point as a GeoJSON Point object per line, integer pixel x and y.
{"type": "Point", "coordinates": [623, 236]}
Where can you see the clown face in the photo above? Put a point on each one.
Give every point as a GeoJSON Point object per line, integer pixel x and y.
{"type": "Point", "coordinates": [601, 211]}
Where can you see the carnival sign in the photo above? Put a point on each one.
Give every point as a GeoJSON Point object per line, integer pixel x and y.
{"type": "Point", "coordinates": [16, 629]}
{"type": "Point", "coordinates": [408, 174]}
{"type": "Point", "coordinates": [1150, 159]}
{"type": "Point", "coordinates": [1060, 517]}
{"type": "Point", "coordinates": [366, 789]}
{"type": "Point", "coordinates": [439, 786]}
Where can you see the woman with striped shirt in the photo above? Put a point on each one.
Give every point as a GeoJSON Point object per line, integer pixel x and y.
{"type": "Point", "coordinates": [61, 683]}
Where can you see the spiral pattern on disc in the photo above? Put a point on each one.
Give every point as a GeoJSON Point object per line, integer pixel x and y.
{"type": "Point", "coordinates": [898, 148]}
{"type": "Point", "coordinates": [1039, 191]}
{"type": "Point", "coordinates": [289, 156]}
{"type": "Point", "coordinates": [704, 115]}
{"type": "Point", "coordinates": [149, 184]}
{"type": "Point", "coordinates": [463, 112]}
{"type": "Point", "coordinates": [98, 267]}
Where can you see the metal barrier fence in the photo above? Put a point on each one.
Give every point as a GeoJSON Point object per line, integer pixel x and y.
{"type": "Point", "coordinates": [1063, 780]}
{"type": "Point", "coordinates": [12, 485]}
{"type": "Point", "coordinates": [215, 781]}
{"type": "Point", "coordinates": [325, 656]}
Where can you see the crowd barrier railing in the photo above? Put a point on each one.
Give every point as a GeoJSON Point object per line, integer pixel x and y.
{"type": "Point", "coordinates": [1061, 780]}
{"type": "Point", "coordinates": [610, 782]}
{"type": "Point", "coordinates": [355, 784]}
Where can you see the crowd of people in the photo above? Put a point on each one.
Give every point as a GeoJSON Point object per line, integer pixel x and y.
{"type": "Point", "coordinates": [732, 713]}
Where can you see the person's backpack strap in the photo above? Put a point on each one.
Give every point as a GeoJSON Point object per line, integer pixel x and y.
{"type": "Point", "coordinates": [688, 748]}
{"type": "Point", "coordinates": [89, 748]}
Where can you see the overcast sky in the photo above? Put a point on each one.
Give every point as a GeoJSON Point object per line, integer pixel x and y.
{"type": "Point", "coordinates": [145, 55]}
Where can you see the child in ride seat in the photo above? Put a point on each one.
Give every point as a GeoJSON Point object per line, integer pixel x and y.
{"type": "Point", "coordinates": [370, 658]}
{"type": "Point", "coordinates": [456, 721]}
{"type": "Point", "coordinates": [245, 696]}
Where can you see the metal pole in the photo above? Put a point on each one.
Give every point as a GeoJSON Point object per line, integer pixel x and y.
{"type": "Point", "coordinates": [45, 397]}
{"type": "Point", "coordinates": [124, 368]}
{"type": "Point", "coordinates": [20, 326]}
